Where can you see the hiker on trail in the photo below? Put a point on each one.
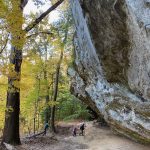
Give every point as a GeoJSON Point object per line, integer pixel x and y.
{"type": "Point", "coordinates": [45, 128]}
{"type": "Point", "coordinates": [74, 131]}
{"type": "Point", "coordinates": [82, 129]}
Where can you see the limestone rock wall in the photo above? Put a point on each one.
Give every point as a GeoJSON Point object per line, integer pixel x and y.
{"type": "Point", "coordinates": [111, 70]}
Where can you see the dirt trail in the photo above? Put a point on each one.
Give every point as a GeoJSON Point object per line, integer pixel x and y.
{"type": "Point", "coordinates": [102, 138]}
{"type": "Point", "coordinates": [96, 138]}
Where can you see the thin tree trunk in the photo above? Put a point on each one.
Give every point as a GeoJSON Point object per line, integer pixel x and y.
{"type": "Point", "coordinates": [38, 120]}
{"type": "Point", "coordinates": [34, 122]}
{"type": "Point", "coordinates": [38, 108]}
{"type": "Point", "coordinates": [29, 130]}
{"type": "Point", "coordinates": [52, 86]}
{"type": "Point", "coordinates": [47, 113]}
{"type": "Point", "coordinates": [47, 109]}
{"type": "Point", "coordinates": [36, 105]}
{"type": "Point", "coordinates": [56, 92]}
{"type": "Point", "coordinates": [56, 83]}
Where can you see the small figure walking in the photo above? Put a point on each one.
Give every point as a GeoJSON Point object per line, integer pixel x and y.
{"type": "Point", "coordinates": [45, 128]}
{"type": "Point", "coordinates": [82, 129]}
{"type": "Point", "coordinates": [74, 133]}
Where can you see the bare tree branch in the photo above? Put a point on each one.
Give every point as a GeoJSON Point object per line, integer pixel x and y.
{"type": "Point", "coordinates": [4, 44]}
{"type": "Point", "coordinates": [36, 34]}
{"type": "Point", "coordinates": [42, 16]}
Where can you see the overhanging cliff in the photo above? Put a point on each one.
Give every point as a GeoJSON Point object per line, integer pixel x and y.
{"type": "Point", "coordinates": [112, 62]}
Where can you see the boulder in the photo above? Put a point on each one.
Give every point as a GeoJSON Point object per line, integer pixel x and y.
{"type": "Point", "coordinates": [111, 68]}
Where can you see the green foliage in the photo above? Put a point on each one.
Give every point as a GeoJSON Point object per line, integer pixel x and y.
{"type": "Point", "coordinates": [70, 107]}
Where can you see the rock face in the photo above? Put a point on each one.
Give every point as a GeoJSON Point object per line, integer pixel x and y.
{"type": "Point", "coordinates": [111, 70]}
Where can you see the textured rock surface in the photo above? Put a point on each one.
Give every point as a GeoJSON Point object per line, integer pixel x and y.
{"type": "Point", "coordinates": [112, 62]}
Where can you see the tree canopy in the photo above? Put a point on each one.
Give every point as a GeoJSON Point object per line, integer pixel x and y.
{"type": "Point", "coordinates": [34, 57]}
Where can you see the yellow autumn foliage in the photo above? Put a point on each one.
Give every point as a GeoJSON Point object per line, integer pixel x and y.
{"type": "Point", "coordinates": [3, 90]}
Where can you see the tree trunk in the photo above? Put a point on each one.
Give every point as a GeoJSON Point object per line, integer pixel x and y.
{"type": "Point", "coordinates": [53, 129]}
{"type": "Point", "coordinates": [38, 120]}
{"type": "Point", "coordinates": [47, 111]}
{"type": "Point", "coordinates": [34, 123]}
{"type": "Point", "coordinates": [36, 105]}
{"type": "Point", "coordinates": [57, 81]}
{"type": "Point", "coordinates": [56, 92]}
{"type": "Point", "coordinates": [11, 128]}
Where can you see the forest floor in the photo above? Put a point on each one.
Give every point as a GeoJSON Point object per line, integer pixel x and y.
{"type": "Point", "coordinates": [96, 138]}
